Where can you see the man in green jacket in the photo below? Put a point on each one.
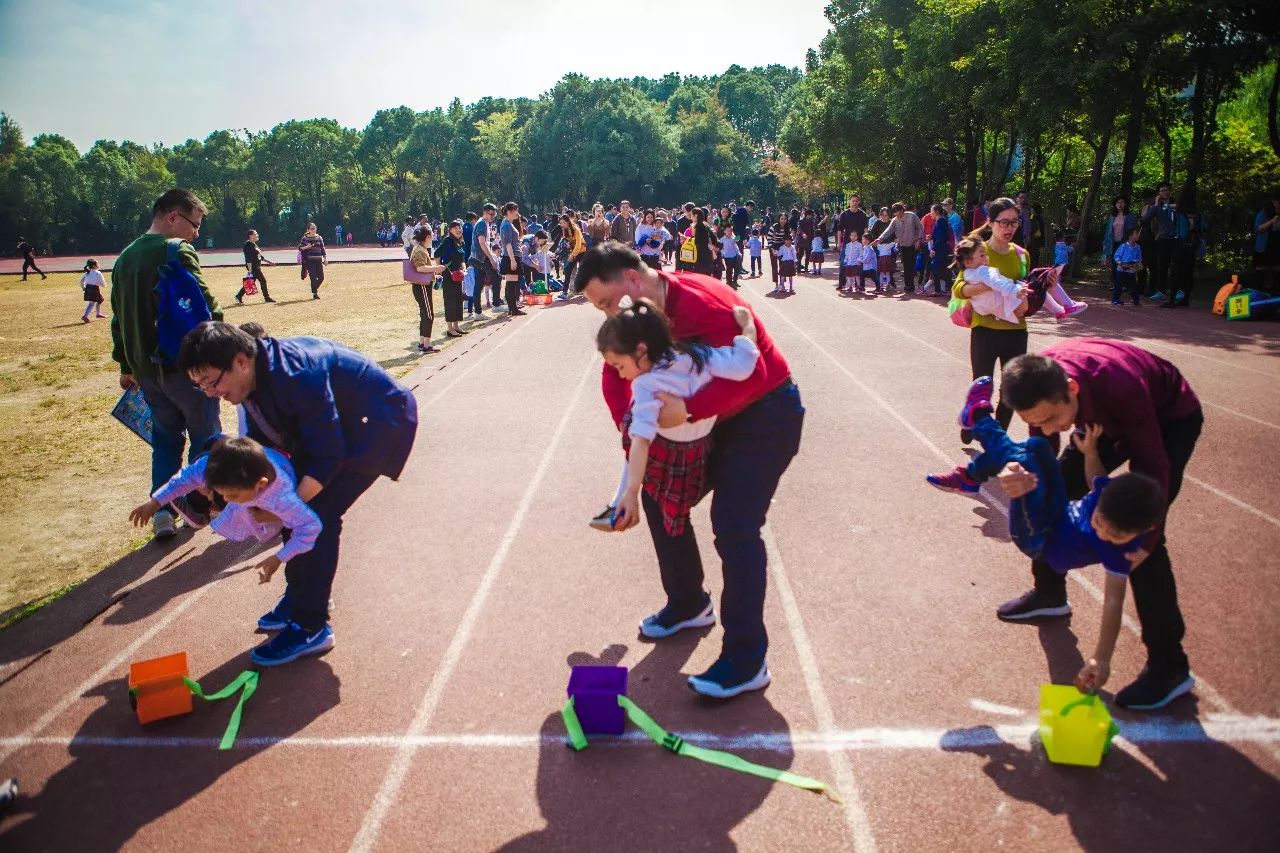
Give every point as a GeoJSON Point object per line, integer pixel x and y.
{"type": "Point", "coordinates": [177, 406]}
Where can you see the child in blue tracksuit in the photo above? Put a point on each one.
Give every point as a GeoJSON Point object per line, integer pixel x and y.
{"type": "Point", "coordinates": [1106, 526]}
{"type": "Point", "coordinates": [1062, 249]}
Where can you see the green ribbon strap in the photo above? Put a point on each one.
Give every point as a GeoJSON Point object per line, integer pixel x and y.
{"type": "Point", "coordinates": [678, 745]}
{"type": "Point", "coordinates": [245, 683]}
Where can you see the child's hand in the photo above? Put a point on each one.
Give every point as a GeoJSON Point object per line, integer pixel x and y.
{"type": "Point", "coordinates": [628, 513]}
{"type": "Point", "coordinates": [745, 322]}
{"type": "Point", "coordinates": [1087, 441]}
{"type": "Point", "coordinates": [1016, 481]}
{"type": "Point", "coordinates": [1094, 674]}
{"type": "Point", "coordinates": [268, 567]}
{"type": "Point", "coordinates": [142, 513]}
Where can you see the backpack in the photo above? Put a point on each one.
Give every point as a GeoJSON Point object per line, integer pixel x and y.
{"type": "Point", "coordinates": [689, 251]}
{"type": "Point", "coordinates": [180, 304]}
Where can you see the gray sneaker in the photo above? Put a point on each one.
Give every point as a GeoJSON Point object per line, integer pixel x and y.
{"type": "Point", "coordinates": [162, 525]}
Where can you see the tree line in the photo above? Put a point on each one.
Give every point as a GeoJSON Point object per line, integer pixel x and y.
{"type": "Point", "coordinates": [903, 99]}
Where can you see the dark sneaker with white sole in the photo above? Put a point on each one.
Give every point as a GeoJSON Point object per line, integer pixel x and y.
{"type": "Point", "coordinates": [725, 679]}
{"type": "Point", "coordinates": [192, 517]}
{"type": "Point", "coordinates": [1152, 689]}
{"type": "Point", "coordinates": [1033, 604]}
{"type": "Point", "coordinates": [292, 643]}
{"type": "Point", "coordinates": [666, 622]}
{"type": "Point", "coordinates": [278, 617]}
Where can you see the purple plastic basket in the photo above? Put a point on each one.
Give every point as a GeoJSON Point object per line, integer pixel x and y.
{"type": "Point", "coordinates": [595, 691]}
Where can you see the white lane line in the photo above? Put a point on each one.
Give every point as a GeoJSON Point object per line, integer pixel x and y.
{"type": "Point", "coordinates": [1209, 692]}
{"type": "Point", "coordinates": [1159, 343]}
{"type": "Point", "coordinates": [479, 361]}
{"type": "Point", "coordinates": [1210, 729]}
{"type": "Point", "coordinates": [110, 669]}
{"type": "Point", "coordinates": [1201, 483]}
{"type": "Point", "coordinates": [1238, 414]}
{"type": "Point", "coordinates": [855, 813]}
{"type": "Point", "coordinates": [391, 783]}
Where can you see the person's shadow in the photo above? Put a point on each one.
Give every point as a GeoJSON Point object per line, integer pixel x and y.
{"type": "Point", "coordinates": [106, 794]}
{"type": "Point", "coordinates": [1200, 795]}
{"type": "Point", "coordinates": [642, 796]}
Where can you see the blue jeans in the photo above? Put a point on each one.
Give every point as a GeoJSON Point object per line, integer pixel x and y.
{"type": "Point", "coordinates": [178, 410]}
{"type": "Point", "coordinates": [751, 451]}
{"type": "Point", "coordinates": [1032, 517]}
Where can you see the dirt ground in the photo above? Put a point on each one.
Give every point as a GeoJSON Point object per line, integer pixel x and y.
{"type": "Point", "coordinates": [69, 472]}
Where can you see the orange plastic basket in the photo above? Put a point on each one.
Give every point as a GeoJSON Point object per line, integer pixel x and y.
{"type": "Point", "coordinates": [157, 689]}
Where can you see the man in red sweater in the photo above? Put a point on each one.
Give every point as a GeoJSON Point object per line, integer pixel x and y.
{"type": "Point", "coordinates": [757, 432]}
{"type": "Point", "coordinates": [1151, 419]}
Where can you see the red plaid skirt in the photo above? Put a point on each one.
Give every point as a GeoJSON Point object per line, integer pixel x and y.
{"type": "Point", "coordinates": [675, 475]}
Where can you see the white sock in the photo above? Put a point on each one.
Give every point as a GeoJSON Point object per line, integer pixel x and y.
{"type": "Point", "coordinates": [1052, 304]}
{"type": "Point", "coordinates": [1060, 296]}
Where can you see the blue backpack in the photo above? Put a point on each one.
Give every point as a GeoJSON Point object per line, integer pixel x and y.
{"type": "Point", "coordinates": [180, 304]}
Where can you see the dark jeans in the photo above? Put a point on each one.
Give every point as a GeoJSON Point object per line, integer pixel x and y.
{"type": "Point", "coordinates": [1155, 595]}
{"type": "Point", "coordinates": [908, 267]}
{"type": "Point", "coordinates": [310, 575]}
{"type": "Point", "coordinates": [315, 269]}
{"type": "Point", "coordinates": [1160, 269]}
{"type": "Point", "coordinates": [732, 269]}
{"type": "Point", "coordinates": [1033, 516]}
{"type": "Point", "coordinates": [1182, 274]}
{"type": "Point", "coordinates": [986, 347]}
{"type": "Point", "coordinates": [487, 276]}
{"type": "Point", "coordinates": [773, 265]}
{"type": "Point", "coordinates": [512, 294]}
{"type": "Point", "coordinates": [28, 264]}
{"type": "Point", "coordinates": [802, 253]}
{"type": "Point", "coordinates": [426, 309]}
{"type": "Point", "coordinates": [750, 453]}
{"type": "Point", "coordinates": [1122, 281]}
{"type": "Point", "coordinates": [178, 411]}
{"type": "Point", "coordinates": [755, 265]}
{"type": "Point", "coordinates": [256, 272]}
{"type": "Point", "coordinates": [840, 264]}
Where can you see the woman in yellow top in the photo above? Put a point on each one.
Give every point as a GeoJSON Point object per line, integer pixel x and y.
{"type": "Point", "coordinates": [423, 263]}
{"type": "Point", "coordinates": [572, 235]}
{"type": "Point", "coordinates": [992, 339]}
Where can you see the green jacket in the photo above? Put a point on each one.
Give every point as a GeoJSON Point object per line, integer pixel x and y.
{"type": "Point", "coordinates": [133, 302]}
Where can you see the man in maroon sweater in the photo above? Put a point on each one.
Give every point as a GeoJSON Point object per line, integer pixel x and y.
{"type": "Point", "coordinates": [1150, 418]}
{"type": "Point", "coordinates": [757, 432]}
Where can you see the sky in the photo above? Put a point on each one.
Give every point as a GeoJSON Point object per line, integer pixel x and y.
{"type": "Point", "coordinates": [165, 72]}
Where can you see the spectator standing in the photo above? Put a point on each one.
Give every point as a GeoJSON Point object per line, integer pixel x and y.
{"type": "Point", "coordinates": [180, 413]}
{"type": "Point", "coordinates": [509, 261]}
{"type": "Point", "coordinates": [453, 255]}
{"type": "Point", "coordinates": [314, 258]}
{"type": "Point", "coordinates": [484, 260]}
{"type": "Point", "coordinates": [907, 231]}
{"type": "Point", "coordinates": [424, 265]}
{"type": "Point", "coordinates": [623, 227]}
{"type": "Point", "coordinates": [1266, 241]}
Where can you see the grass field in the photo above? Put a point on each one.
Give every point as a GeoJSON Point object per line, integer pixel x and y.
{"type": "Point", "coordinates": [69, 472]}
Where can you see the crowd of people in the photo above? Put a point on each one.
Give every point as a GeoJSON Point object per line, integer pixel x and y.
{"type": "Point", "coordinates": [695, 385]}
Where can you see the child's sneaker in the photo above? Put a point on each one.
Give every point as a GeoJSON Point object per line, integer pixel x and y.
{"type": "Point", "coordinates": [1116, 302]}
{"type": "Point", "coordinates": [292, 643]}
{"type": "Point", "coordinates": [604, 521]}
{"type": "Point", "coordinates": [1075, 309]}
{"type": "Point", "coordinates": [278, 617]}
{"type": "Point", "coordinates": [957, 481]}
{"type": "Point", "coordinates": [978, 399]}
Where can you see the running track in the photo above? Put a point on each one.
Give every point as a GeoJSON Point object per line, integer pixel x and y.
{"type": "Point", "coordinates": [470, 586]}
{"type": "Point", "coordinates": [212, 258]}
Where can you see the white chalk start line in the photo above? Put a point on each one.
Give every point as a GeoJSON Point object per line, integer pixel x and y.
{"type": "Point", "coordinates": [1213, 728]}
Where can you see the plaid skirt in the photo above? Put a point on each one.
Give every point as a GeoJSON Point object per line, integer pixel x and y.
{"type": "Point", "coordinates": [675, 475]}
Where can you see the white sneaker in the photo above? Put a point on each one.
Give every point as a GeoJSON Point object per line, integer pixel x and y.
{"type": "Point", "coordinates": [479, 317]}
{"type": "Point", "coordinates": [163, 525]}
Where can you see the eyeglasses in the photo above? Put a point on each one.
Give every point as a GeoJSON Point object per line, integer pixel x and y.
{"type": "Point", "coordinates": [195, 225]}
{"type": "Point", "coordinates": [209, 387]}
{"type": "Point", "coordinates": [1007, 223]}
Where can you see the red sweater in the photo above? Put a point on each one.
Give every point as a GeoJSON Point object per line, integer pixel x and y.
{"type": "Point", "coordinates": [700, 309]}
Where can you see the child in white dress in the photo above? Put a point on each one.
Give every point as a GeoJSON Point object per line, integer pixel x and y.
{"type": "Point", "coordinates": [1004, 298]}
{"type": "Point", "coordinates": [668, 463]}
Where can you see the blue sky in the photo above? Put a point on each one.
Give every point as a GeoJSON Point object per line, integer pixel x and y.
{"type": "Point", "coordinates": [165, 72]}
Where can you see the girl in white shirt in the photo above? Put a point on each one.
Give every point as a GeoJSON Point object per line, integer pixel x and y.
{"type": "Point", "coordinates": [1006, 299]}
{"type": "Point", "coordinates": [91, 283]}
{"type": "Point", "coordinates": [670, 464]}
{"type": "Point", "coordinates": [786, 266]}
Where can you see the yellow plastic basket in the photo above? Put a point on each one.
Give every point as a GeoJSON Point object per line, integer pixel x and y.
{"type": "Point", "coordinates": [1075, 727]}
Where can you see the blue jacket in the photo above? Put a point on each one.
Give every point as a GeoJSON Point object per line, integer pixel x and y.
{"type": "Point", "coordinates": [333, 409]}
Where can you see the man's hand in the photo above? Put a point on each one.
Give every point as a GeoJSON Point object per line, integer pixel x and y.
{"type": "Point", "coordinates": [142, 513]}
{"type": "Point", "coordinates": [127, 382]}
{"type": "Point", "coordinates": [1087, 442]}
{"type": "Point", "coordinates": [268, 567]}
{"type": "Point", "coordinates": [1016, 481]}
{"type": "Point", "coordinates": [673, 412]}
{"type": "Point", "coordinates": [627, 515]}
{"type": "Point", "coordinates": [1094, 674]}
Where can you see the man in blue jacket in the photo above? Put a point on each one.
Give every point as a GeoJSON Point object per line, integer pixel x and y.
{"type": "Point", "coordinates": [342, 421]}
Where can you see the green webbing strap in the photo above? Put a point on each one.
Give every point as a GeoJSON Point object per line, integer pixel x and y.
{"type": "Point", "coordinates": [248, 680]}
{"type": "Point", "coordinates": [679, 746]}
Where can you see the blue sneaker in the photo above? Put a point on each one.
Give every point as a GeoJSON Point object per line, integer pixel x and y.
{"type": "Point", "coordinates": [666, 622]}
{"type": "Point", "coordinates": [725, 679]}
{"type": "Point", "coordinates": [292, 643]}
{"type": "Point", "coordinates": [278, 617]}
{"type": "Point", "coordinates": [978, 399]}
{"type": "Point", "coordinates": [956, 480]}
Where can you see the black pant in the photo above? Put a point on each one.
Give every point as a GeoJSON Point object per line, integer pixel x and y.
{"type": "Point", "coordinates": [1182, 276]}
{"type": "Point", "coordinates": [29, 263]}
{"type": "Point", "coordinates": [512, 294]}
{"type": "Point", "coordinates": [802, 253]}
{"type": "Point", "coordinates": [908, 268]}
{"type": "Point", "coordinates": [256, 272]}
{"type": "Point", "coordinates": [315, 269]}
{"type": "Point", "coordinates": [452, 300]}
{"type": "Point", "coordinates": [1160, 270]}
{"type": "Point", "coordinates": [1155, 595]}
{"type": "Point", "coordinates": [732, 269]}
{"type": "Point", "coordinates": [426, 310]}
{"type": "Point", "coordinates": [1122, 281]}
{"type": "Point", "coordinates": [310, 575]}
{"type": "Point", "coordinates": [840, 265]}
{"type": "Point", "coordinates": [751, 452]}
{"type": "Point", "coordinates": [986, 347]}
{"type": "Point", "coordinates": [773, 265]}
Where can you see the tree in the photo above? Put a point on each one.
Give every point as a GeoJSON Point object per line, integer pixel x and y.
{"type": "Point", "coordinates": [751, 105]}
